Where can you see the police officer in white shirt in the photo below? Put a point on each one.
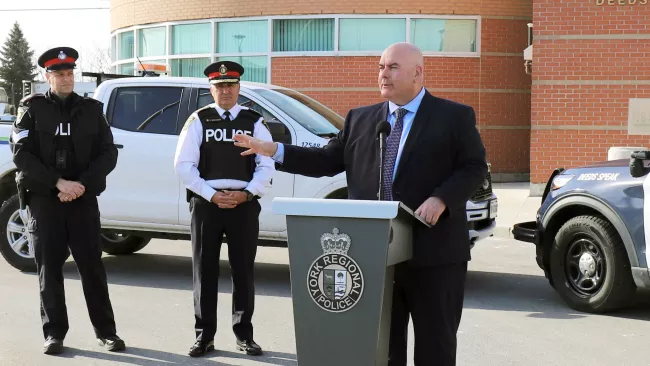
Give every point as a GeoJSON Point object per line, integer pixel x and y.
{"type": "Point", "coordinates": [223, 189]}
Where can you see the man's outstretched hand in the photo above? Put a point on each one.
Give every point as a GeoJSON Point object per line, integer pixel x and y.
{"type": "Point", "coordinates": [255, 145]}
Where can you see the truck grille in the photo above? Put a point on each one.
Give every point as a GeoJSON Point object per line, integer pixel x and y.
{"type": "Point", "coordinates": [485, 191]}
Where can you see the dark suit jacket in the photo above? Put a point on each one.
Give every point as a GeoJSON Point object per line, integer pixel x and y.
{"type": "Point", "coordinates": [443, 157]}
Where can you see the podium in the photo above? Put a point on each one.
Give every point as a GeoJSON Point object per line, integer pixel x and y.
{"type": "Point", "coordinates": [342, 255]}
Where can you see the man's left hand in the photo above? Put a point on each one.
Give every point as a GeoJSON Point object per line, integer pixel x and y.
{"type": "Point", "coordinates": [64, 197]}
{"type": "Point", "coordinates": [239, 196]}
{"type": "Point", "coordinates": [431, 209]}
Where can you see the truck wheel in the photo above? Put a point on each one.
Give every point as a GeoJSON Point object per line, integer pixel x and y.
{"type": "Point", "coordinates": [589, 266]}
{"type": "Point", "coordinates": [117, 244]}
{"type": "Point", "coordinates": [14, 243]}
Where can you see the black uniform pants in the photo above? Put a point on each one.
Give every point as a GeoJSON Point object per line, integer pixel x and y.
{"type": "Point", "coordinates": [241, 226]}
{"type": "Point", "coordinates": [433, 296]}
{"type": "Point", "coordinates": [54, 227]}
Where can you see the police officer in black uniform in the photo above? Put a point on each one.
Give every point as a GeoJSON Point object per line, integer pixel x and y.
{"type": "Point", "coordinates": [63, 149]}
{"type": "Point", "coordinates": [223, 190]}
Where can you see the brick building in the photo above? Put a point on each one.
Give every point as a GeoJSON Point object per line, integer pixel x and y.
{"type": "Point", "coordinates": [590, 75]}
{"type": "Point", "coordinates": [330, 50]}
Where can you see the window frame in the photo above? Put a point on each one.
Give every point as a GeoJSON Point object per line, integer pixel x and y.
{"type": "Point", "coordinates": [270, 54]}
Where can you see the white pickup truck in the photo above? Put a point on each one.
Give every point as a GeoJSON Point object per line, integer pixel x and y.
{"type": "Point", "coordinates": [144, 198]}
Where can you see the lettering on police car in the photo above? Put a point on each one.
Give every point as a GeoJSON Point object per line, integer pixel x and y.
{"type": "Point", "coordinates": [310, 144]}
{"type": "Point", "coordinates": [598, 176]}
{"type": "Point", "coordinates": [334, 280]}
{"type": "Point", "coordinates": [224, 134]}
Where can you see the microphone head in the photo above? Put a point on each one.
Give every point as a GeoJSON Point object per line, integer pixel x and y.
{"type": "Point", "coordinates": [382, 127]}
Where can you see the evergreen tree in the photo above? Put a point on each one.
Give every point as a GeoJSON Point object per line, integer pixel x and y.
{"type": "Point", "coordinates": [16, 64]}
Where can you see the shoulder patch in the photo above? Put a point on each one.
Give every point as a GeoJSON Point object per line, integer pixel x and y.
{"type": "Point", "coordinates": [266, 125]}
{"type": "Point", "coordinates": [189, 121]}
{"type": "Point", "coordinates": [20, 114]}
{"type": "Point", "coordinates": [28, 99]}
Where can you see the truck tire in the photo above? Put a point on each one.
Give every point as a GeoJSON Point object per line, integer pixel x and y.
{"type": "Point", "coordinates": [14, 242]}
{"type": "Point", "coordinates": [589, 266]}
{"type": "Point", "coordinates": [116, 244]}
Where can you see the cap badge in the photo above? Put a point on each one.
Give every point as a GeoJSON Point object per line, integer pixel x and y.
{"type": "Point", "coordinates": [223, 70]}
{"type": "Point", "coordinates": [62, 55]}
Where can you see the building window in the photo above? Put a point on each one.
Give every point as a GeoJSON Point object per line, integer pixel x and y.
{"type": "Point", "coordinates": [370, 34]}
{"type": "Point", "coordinates": [254, 42]}
{"type": "Point", "coordinates": [242, 37]}
{"type": "Point", "coordinates": [255, 67]}
{"type": "Point", "coordinates": [113, 48]}
{"type": "Point", "coordinates": [126, 45]}
{"type": "Point", "coordinates": [152, 42]}
{"type": "Point", "coordinates": [189, 67]}
{"type": "Point", "coordinates": [125, 69]}
{"type": "Point", "coordinates": [444, 35]}
{"type": "Point", "coordinates": [303, 35]}
{"type": "Point", "coordinates": [190, 39]}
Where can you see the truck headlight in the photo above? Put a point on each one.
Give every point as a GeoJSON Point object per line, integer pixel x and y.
{"type": "Point", "coordinates": [561, 180]}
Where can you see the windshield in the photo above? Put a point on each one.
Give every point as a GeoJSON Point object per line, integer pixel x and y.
{"type": "Point", "coordinates": [312, 115]}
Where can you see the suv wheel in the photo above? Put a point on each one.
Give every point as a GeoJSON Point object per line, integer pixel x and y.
{"type": "Point", "coordinates": [14, 241]}
{"type": "Point", "coordinates": [117, 244]}
{"type": "Point", "coordinates": [589, 266]}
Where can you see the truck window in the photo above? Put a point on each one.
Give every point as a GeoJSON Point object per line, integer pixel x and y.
{"type": "Point", "coordinates": [279, 131]}
{"type": "Point", "coordinates": [147, 109]}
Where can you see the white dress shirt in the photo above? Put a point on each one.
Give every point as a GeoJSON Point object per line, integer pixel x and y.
{"type": "Point", "coordinates": [187, 156]}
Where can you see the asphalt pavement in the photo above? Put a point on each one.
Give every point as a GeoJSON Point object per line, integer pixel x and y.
{"type": "Point", "coordinates": [511, 317]}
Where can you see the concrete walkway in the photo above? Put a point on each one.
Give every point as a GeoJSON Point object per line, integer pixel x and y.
{"type": "Point", "coordinates": [515, 205]}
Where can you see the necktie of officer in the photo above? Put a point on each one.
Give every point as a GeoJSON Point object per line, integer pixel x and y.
{"type": "Point", "coordinates": [392, 146]}
{"type": "Point", "coordinates": [226, 115]}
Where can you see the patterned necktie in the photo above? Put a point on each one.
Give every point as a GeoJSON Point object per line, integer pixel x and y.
{"type": "Point", "coordinates": [226, 115]}
{"type": "Point", "coordinates": [392, 146]}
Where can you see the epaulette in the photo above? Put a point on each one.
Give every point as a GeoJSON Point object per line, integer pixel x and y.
{"type": "Point", "coordinates": [26, 100]}
{"type": "Point", "coordinates": [251, 110]}
{"type": "Point", "coordinates": [93, 100]}
{"type": "Point", "coordinates": [205, 107]}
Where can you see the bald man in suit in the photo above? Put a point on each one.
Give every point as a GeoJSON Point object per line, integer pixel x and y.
{"type": "Point", "coordinates": [434, 162]}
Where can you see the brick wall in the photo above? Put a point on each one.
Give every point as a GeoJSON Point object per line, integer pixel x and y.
{"type": "Point", "coordinates": [494, 84]}
{"type": "Point", "coordinates": [589, 60]}
{"type": "Point", "coordinates": [125, 13]}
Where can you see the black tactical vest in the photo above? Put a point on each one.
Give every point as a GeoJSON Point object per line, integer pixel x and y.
{"type": "Point", "coordinates": [220, 158]}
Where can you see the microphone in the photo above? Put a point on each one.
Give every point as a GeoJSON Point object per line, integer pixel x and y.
{"type": "Point", "coordinates": [382, 131]}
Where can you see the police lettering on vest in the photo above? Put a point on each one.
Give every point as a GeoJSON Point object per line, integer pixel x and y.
{"type": "Point", "coordinates": [63, 129]}
{"type": "Point", "coordinates": [222, 134]}
{"type": "Point", "coordinates": [220, 158]}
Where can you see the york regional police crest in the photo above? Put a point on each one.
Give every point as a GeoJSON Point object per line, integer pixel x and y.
{"type": "Point", "coordinates": [334, 280]}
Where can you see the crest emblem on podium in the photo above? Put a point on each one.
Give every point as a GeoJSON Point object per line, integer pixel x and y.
{"type": "Point", "coordinates": [334, 280]}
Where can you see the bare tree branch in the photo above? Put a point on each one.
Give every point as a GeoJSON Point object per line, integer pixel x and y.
{"type": "Point", "coordinates": [93, 59]}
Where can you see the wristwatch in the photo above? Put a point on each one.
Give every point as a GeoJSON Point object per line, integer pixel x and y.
{"type": "Point", "coordinates": [249, 195]}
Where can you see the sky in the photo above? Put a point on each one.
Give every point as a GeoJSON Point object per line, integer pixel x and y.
{"type": "Point", "coordinates": [45, 29]}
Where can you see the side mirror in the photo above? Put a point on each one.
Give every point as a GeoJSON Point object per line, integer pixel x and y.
{"type": "Point", "coordinates": [637, 166]}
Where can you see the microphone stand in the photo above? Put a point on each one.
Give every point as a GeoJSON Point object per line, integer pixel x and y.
{"type": "Point", "coordinates": [382, 148]}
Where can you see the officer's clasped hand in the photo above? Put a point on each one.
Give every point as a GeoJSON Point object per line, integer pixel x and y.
{"type": "Point", "coordinates": [69, 190]}
{"type": "Point", "coordinates": [228, 199]}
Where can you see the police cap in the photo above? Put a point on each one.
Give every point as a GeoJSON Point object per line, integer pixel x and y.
{"type": "Point", "coordinates": [59, 58]}
{"type": "Point", "coordinates": [224, 72]}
